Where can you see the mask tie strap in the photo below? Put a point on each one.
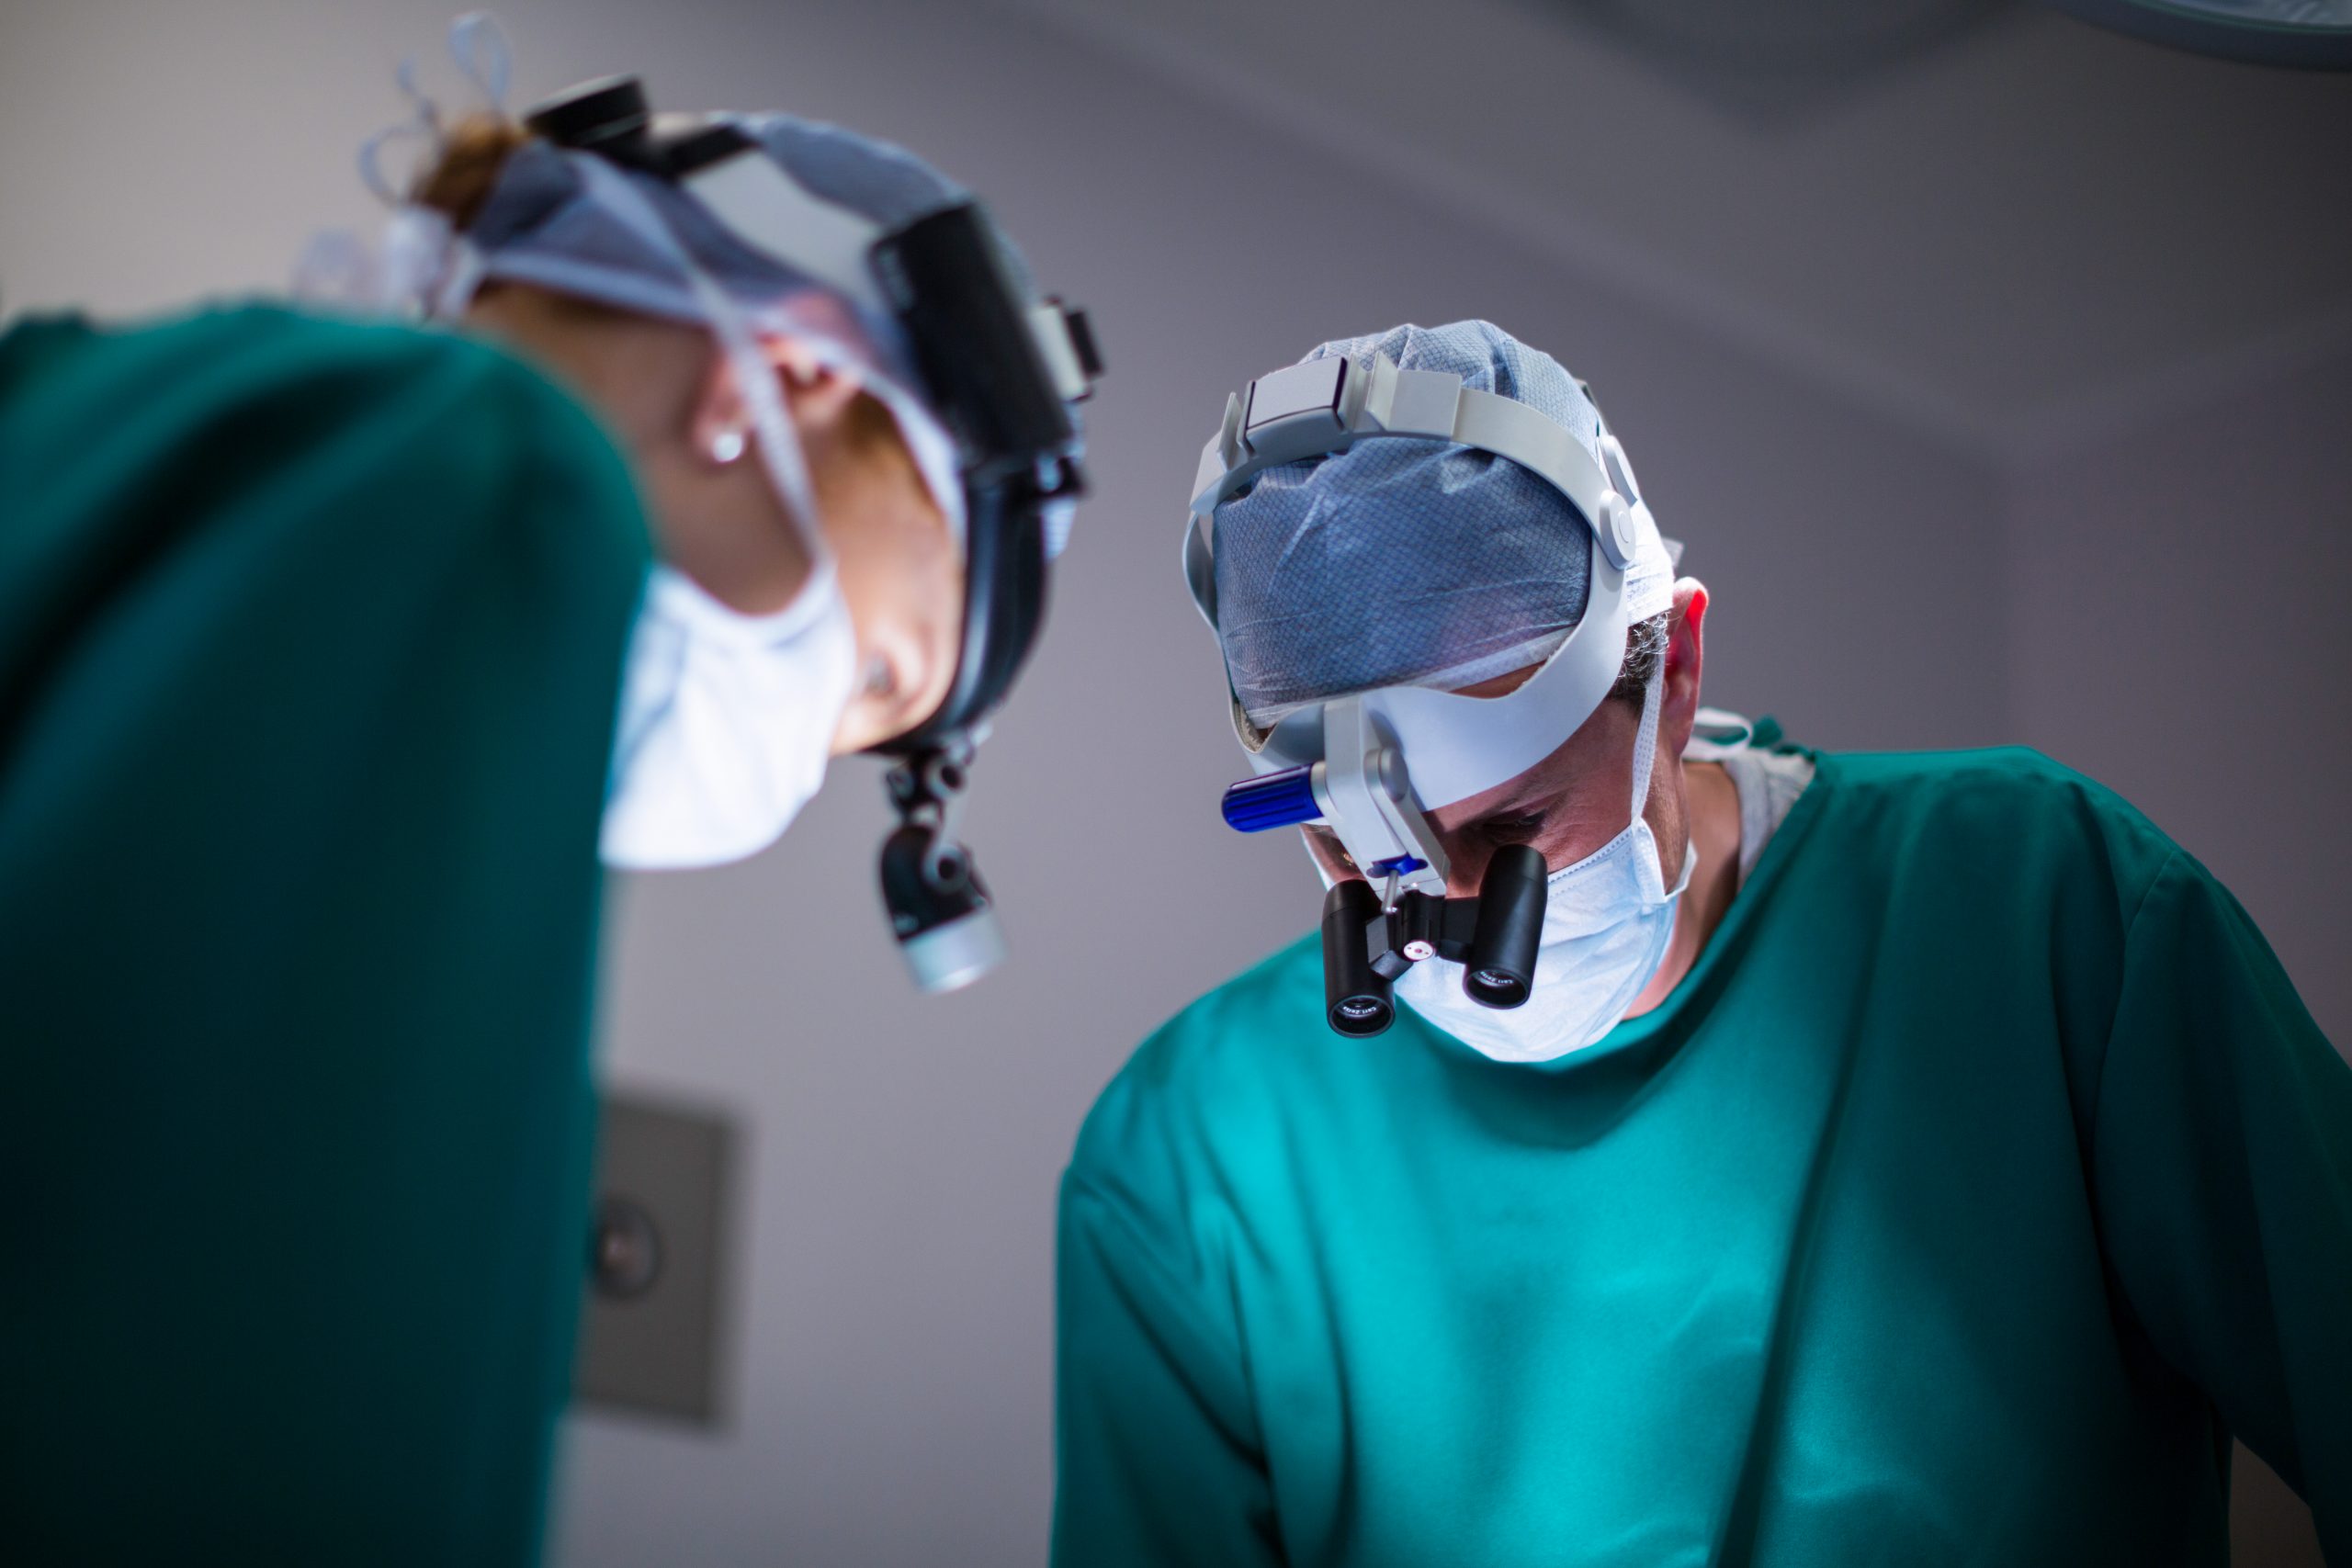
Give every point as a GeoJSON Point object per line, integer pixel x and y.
{"type": "Point", "coordinates": [772, 425]}
{"type": "Point", "coordinates": [1645, 756]}
{"type": "Point", "coordinates": [1646, 740]}
{"type": "Point", "coordinates": [479, 46]}
{"type": "Point", "coordinates": [423, 120]}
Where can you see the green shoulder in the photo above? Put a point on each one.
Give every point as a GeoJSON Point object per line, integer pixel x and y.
{"type": "Point", "coordinates": [229, 406]}
{"type": "Point", "coordinates": [1216, 1071]}
{"type": "Point", "coordinates": [2001, 806]}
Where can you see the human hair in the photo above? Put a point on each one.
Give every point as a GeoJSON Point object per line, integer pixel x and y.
{"type": "Point", "coordinates": [458, 182]}
{"type": "Point", "coordinates": [1644, 650]}
{"type": "Point", "coordinates": [472, 154]}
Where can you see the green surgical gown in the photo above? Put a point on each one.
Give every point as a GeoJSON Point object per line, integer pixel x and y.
{"type": "Point", "coordinates": [1981, 1179]}
{"type": "Point", "coordinates": [310, 640]}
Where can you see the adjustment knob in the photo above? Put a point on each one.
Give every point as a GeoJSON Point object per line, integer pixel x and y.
{"type": "Point", "coordinates": [1271, 800]}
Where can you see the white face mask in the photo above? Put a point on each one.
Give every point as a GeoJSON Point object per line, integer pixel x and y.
{"type": "Point", "coordinates": [1607, 921]}
{"type": "Point", "coordinates": [727, 721]}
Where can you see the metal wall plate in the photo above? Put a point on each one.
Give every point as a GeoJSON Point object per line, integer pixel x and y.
{"type": "Point", "coordinates": [659, 1264]}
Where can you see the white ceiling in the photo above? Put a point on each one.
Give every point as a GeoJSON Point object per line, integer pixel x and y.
{"type": "Point", "coordinates": [2019, 233]}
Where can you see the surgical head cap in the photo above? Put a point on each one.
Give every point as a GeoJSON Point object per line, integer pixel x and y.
{"type": "Point", "coordinates": [543, 225]}
{"type": "Point", "coordinates": [1413, 563]}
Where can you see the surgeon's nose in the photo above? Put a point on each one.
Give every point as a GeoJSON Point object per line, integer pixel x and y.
{"type": "Point", "coordinates": [1465, 867]}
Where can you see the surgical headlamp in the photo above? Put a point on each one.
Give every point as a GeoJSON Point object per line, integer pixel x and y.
{"type": "Point", "coordinates": [1371, 765]}
{"type": "Point", "coordinates": [998, 369]}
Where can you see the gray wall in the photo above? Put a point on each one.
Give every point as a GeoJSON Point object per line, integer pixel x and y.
{"type": "Point", "coordinates": [1875, 587]}
{"type": "Point", "coordinates": [2179, 629]}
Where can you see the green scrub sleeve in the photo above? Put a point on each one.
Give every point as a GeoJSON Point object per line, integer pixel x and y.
{"type": "Point", "coordinates": [1157, 1446]}
{"type": "Point", "coordinates": [2222, 1168]}
{"type": "Point", "coordinates": [309, 633]}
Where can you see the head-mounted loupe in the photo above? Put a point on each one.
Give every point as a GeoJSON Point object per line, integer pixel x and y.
{"type": "Point", "coordinates": [1370, 764]}
{"type": "Point", "coordinates": [998, 368]}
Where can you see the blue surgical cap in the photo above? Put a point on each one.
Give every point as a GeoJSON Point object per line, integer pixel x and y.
{"type": "Point", "coordinates": [1406, 563]}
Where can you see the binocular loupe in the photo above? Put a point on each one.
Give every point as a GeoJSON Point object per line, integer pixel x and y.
{"type": "Point", "coordinates": [1377, 928]}
{"type": "Point", "coordinates": [1368, 941]}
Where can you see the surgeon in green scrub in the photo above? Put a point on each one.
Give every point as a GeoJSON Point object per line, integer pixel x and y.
{"type": "Point", "coordinates": [1899, 1159]}
{"type": "Point", "coordinates": [331, 653]}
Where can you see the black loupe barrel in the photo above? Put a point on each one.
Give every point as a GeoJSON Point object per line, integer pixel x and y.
{"type": "Point", "coordinates": [1355, 998]}
{"type": "Point", "coordinates": [1499, 970]}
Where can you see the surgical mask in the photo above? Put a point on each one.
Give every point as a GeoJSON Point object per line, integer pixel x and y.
{"type": "Point", "coordinates": [727, 719]}
{"type": "Point", "coordinates": [727, 722]}
{"type": "Point", "coordinates": [1607, 921]}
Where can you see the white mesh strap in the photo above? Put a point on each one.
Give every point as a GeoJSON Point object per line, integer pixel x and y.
{"type": "Point", "coordinates": [770, 210]}
{"type": "Point", "coordinates": [1456, 747]}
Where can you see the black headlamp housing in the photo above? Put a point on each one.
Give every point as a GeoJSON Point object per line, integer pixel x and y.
{"type": "Point", "coordinates": [976, 342]}
{"type": "Point", "coordinates": [946, 277]}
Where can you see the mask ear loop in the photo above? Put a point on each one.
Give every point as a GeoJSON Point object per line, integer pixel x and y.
{"type": "Point", "coordinates": [1646, 740]}
{"type": "Point", "coordinates": [1645, 756]}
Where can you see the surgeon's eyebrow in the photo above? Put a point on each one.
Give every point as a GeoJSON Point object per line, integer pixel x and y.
{"type": "Point", "coordinates": [1517, 826]}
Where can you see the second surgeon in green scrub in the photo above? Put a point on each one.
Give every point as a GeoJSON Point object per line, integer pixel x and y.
{"type": "Point", "coordinates": [1920, 1159]}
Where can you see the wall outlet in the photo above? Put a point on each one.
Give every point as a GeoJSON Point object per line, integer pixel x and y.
{"type": "Point", "coordinates": [659, 1264]}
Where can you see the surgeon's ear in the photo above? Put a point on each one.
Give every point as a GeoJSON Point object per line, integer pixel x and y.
{"type": "Point", "coordinates": [1686, 654]}
{"type": "Point", "coordinates": [819, 394]}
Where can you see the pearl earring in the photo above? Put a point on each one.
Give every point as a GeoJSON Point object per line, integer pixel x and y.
{"type": "Point", "coordinates": [725, 446]}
